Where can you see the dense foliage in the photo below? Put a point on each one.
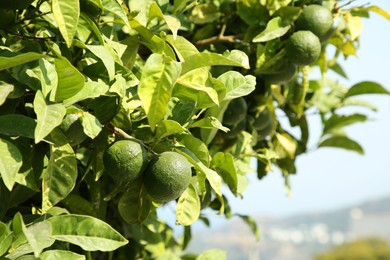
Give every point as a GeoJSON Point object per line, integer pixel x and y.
{"type": "Point", "coordinates": [209, 80]}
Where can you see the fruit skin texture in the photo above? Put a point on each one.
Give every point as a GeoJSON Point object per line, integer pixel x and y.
{"type": "Point", "coordinates": [167, 177]}
{"type": "Point", "coordinates": [303, 48]}
{"type": "Point", "coordinates": [235, 112]}
{"type": "Point", "coordinates": [72, 128]}
{"type": "Point", "coordinates": [125, 160]}
{"type": "Point", "coordinates": [315, 18]}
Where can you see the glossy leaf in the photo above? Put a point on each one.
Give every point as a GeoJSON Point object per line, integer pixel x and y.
{"type": "Point", "coordinates": [366, 87]}
{"type": "Point", "coordinates": [168, 127]}
{"type": "Point", "coordinates": [10, 59]}
{"type": "Point", "coordinates": [5, 90]}
{"type": "Point", "coordinates": [66, 14]}
{"type": "Point", "coordinates": [38, 236]}
{"type": "Point", "coordinates": [237, 85]}
{"type": "Point", "coordinates": [49, 116]}
{"type": "Point", "coordinates": [6, 238]}
{"type": "Point", "coordinates": [60, 254]}
{"type": "Point", "coordinates": [210, 123]}
{"type": "Point", "coordinates": [106, 57]}
{"type": "Point", "coordinates": [197, 147]}
{"type": "Point", "coordinates": [17, 125]}
{"type": "Point", "coordinates": [60, 176]}
{"type": "Point", "coordinates": [188, 207]}
{"type": "Point", "coordinates": [91, 89]}
{"type": "Point", "coordinates": [155, 88]}
{"type": "Point", "coordinates": [203, 59]}
{"type": "Point", "coordinates": [91, 125]}
{"type": "Point", "coordinates": [115, 8]}
{"type": "Point", "coordinates": [172, 22]}
{"type": "Point", "coordinates": [89, 233]}
{"type": "Point", "coordinates": [70, 80]}
{"type": "Point", "coordinates": [224, 163]}
{"type": "Point", "coordinates": [10, 162]}
{"type": "Point", "coordinates": [275, 29]}
{"type": "Point", "coordinates": [342, 142]}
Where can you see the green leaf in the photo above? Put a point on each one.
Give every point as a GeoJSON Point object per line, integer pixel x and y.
{"type": "Point", "coordinates": [17, 125]}
{"type": "Point", "coordinates": [188, 207]}
{"type": "Point", "coordinates": [47, 76]}
{"type": "Point", "coordinates": [204, 13]}
{"type": "Point", "coordinates": [336, 121]}
{"type": "Point", "coordinates": [60, 254]}
{"type": "Point", "coordinates": [224, 163]}
{"type": "Point", "coordinates": [210, 122]}
{"type": "Point", "coordinates": [366, 87]}
{"type": "Point", "coordinates": [115, 8]}
{"type": "Point", "coordinates": [197, 147]}
{"type": "Point", "coordinates": [211, 175]}
{"type": "Point", "coordinates": [135, 204]}
{"type": "Point", "coordinates": [91, 125]}
{"type": "Point", "coordinates": [342, 142]}
{"type": "Point", "coordinates": [275, 29]}
{"type": "Point", "coordinates": [106, 57]}
{"type": "Point", "coordinates": [217, 112]}
{"type": "Point", "coordinates": [11, 59]}
{"type": "Point", "coordinates": [78, 205]}
{"type": "Point", "coordinates": [339, 70]}
{"type": "Point", "coordinates": [155, 88]}
{"type": "Point", "coordinates": [49, 116]}
{"type": "Point", "coordinates": [91, 89]}
{"type": "Point", "coordinates": [5, 90]}
{"type": "Point", "coordinates": [38, 236]}
{"type": "Point", "coordinates": [70, 80]}
{"type": "Point", "coordinates": [237, 85]}
{"type": "Point", "coordinates": [212, 254]}
{"type": "Point", "coordinates": [288, 144]}
{"type": "Point", "coordinates": [89, 233]}
{"type": "Point", "coordinates": [196, 80]}
{"type": "Point", "coordinates": [6, 237]}
{"type": "Point", "coordinates": [203, 59]}
{"type": "Point", "coordinates": [183, 48]}
{"type": "Point", "coordinates": [172, 22]}
{"type": "Point", "coordinates": [168, 127]}
{"type": "Point", "coordinates": [358, 102]}
{"type": "Point", "coordinates": [66, 14]}
{"type": "Point", "coordinates": [10, 162]}
{"type": "Point", "coordinates": [60, 176]}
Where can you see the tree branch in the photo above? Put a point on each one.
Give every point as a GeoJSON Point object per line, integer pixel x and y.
{"type": "Point", "coordinates": [220, 38]}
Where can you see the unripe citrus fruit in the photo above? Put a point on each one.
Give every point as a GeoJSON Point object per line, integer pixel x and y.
{"type": "Point", "coordinates": [235, 112]}
{"type": "Point", "coordinates": [72, 128]}
{"type": "Point", "coordinates": [167, 177]}
{"type": "Point", "coordinates": [315, 18]}
{"type": "Point", "coordinates": [303, 48]}
{"type": "Point", "coordinates": [263, 124]}
{"type": "Point", "coordinates": [125, 160]}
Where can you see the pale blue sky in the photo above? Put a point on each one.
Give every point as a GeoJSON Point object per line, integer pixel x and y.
{"type": "Point", "coordinates": [332, 178]}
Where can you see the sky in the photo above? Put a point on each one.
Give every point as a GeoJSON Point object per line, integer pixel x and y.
{"type": "Point", "coordinates": [331, 178]}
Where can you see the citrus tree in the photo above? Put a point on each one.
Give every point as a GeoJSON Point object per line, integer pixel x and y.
{"type": "Point", "coordinates": [110, 109]}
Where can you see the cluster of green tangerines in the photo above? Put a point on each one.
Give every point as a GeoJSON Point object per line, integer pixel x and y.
{"type": "Point", "coordinates": [303, 47]}
{"type": "Point", "coordinates": [165, 176]}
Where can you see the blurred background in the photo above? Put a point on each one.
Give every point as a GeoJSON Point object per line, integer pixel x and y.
{"type": "Point", "coordinates": [337, 196]}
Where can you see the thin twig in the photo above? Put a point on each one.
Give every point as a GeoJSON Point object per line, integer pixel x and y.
{"type": "Point", "coordinates": [220, 38]}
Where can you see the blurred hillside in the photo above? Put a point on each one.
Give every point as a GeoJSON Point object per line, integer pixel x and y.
{"type": "Point", "coordinates": [297, 237]}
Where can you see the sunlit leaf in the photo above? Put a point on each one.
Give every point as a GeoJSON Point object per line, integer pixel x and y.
{"type": "Point", "coordinates": [337, 121]}
{"type": "Point", "coordinates": [89, 233]}
{"type": "Point", "coordinates": [49, 116]}
{"type": "Point", "coordinates": [155, 88]}
{"type": "Point", "coordinates": [212, 254]}
{"type": "Point", "coordinates": [5, 90]}
{"type": "Point", "coordinates": [224, 163]}
{"type": "Point", "coordinates": [66, 14]}
{"type": "Point", "coordinates": [91, 125]}
{"type": "Point", "coordinates": [188, 207]}
{"type": "Point", "coordinates": [237, 85]}
{"type": "Point", "coordinates": [60, 254]}
{"type": "Point", "coordinates": [10, 162]}
{"type": "Point", "coordinates": [70, 80]}
{"type": "Point", "coordinates": [10, 59]}
{"type": "Point", "coordinates": [275, 29]}
{"type": "Point", "coordinates": [60, 176]}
